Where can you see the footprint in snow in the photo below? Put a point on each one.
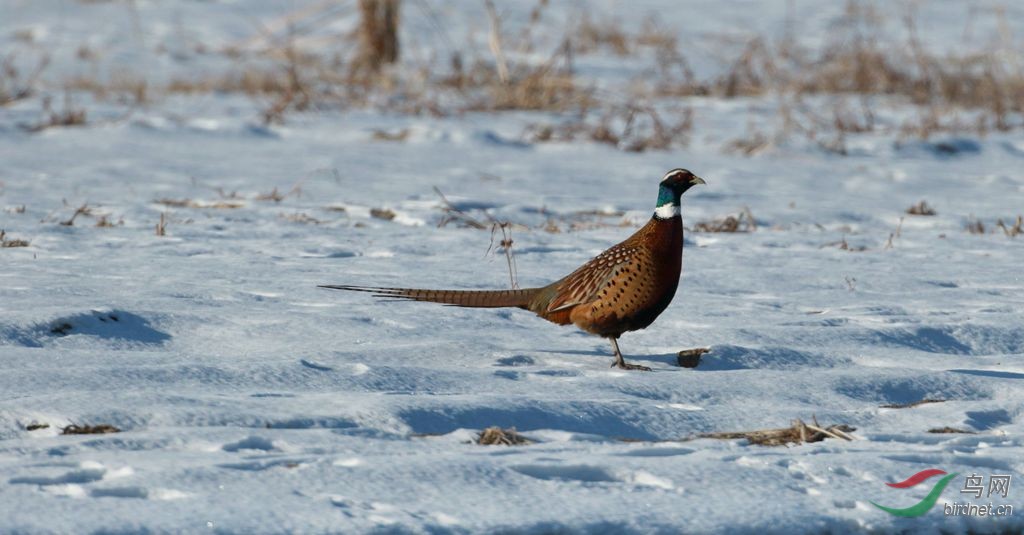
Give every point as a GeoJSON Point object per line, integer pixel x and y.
{"type": "Point", "coordinates": [658, 451]}
{"type": "Point", "coordinates": [117, 328]}
{"type": "Point", "coordinates": [86, 472]}
{"type": "Point", "coordinates": [139, 493]}
{"type": "Point", "coordinates": [584, 473]}
{"type": "Point", "coordinates": [516, 360]}
{"type": "Point", "coordinates": [267, 464]}
{"type": "Point", "coordinates": [72, 484]}
{"type": "Point", "coordinates": [386, 513]}
{"type": "Point", "coordinates": [252, 443]}
{"type": "Point", "coordinates": [315, 366]}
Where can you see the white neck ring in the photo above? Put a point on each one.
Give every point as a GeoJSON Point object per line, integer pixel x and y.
{"type": "Point", "coordinates": [666, 211]}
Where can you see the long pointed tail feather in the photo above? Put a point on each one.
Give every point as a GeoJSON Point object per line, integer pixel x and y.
{"type": "Point", "coordinates": [460, 298]}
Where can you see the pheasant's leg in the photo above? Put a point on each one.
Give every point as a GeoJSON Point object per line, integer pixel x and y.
{"type": "Point", "coordinates": [620, 362]}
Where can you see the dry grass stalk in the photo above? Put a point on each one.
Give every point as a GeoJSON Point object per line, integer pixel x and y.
{"type": "Point", "coordinates": [35, 426]}
{"type": "Point", "coordinates": [975, 226]}
{"type": "Point", "coordinates": [101, 429]}
{"type": "Point", "coordinates": [104, 222]}
{"type": "Point", "coordinates": [949, 430]}
{"type": "Point", "coordinates": [453, 214]}
{"type": "Point", "coordinates": [1015, 230]}
{"type": "Point", "coordinates": [742, 222]}
{"type": "Point", "coordinates": [225, 195]}
{"type": "Point", "coordinates": [274, 195]}
{"type": "Point", "coordinates": [301, 217]}
{"type": "Point", "coordinates": [14, 85]}
{"type": "Point", "coordinates": [845, 246]}
{"type": "Point", "coordinates": [894, 235]}
{"type": "Point", "coordinates": [68, 116]}
{"type": "Point", "coordinates": [177, 203]}
{"type": "Point", "coordinates": [6, 243]}
{"type": "Point", "coordinates": [921, 208]}
{"type": "Point", "coordinates": [384, 135]}
{"type": "Point", "coordinates": [496, 436]}
{"type": "Point", "coordinates": [583, 220]}
{"type": "Point", "coordinates": [535, 88]}
{"type": "Point", "coordinates": [798, 433]}
{"type": "Point", "coordinates": [295, 93]}
{"type": "Point", "coordinates": [494, 42]}
{"type": "Point", "coordinates": [631, 128]}
{"type": "Point", "coordinates": [122, 87]}
{"type": "Point", "coordinates": [924, 401]}
{"type": "Point", "coordinates": [189, 203]}
{"type": "Point", "coordinates": [506, 246]}
{"type": "Point", "coordinates": [161, 226]}
{"type": "Point", "coordinates": [755, 142]}
{"type": "Point", "coordinates": [503, 85]}
{"type": "Point", "coordinates": [382, 213]}
{"type": "Point", "coordinates": [81, 210]}
{"type": "Point", "coordinates": [591, 36]}
{"type": "Point", "coordinates": [601, 212]}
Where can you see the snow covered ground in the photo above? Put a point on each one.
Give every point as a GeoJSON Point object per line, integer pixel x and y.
{"type": "Point", "coordinates": [251, 401]}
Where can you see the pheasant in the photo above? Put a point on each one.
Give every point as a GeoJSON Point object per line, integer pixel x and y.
{"type": "Point", "coordinates": [622, 289]}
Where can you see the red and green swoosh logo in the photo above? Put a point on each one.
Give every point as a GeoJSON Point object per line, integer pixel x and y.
{"type": "Point", "coordinates": [925, 504]}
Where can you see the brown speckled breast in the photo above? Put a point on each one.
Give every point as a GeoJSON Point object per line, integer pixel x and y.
{"type": "Point", "coordinates": [624, 288]}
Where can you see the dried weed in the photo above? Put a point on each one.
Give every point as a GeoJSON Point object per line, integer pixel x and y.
{"type": "Point", "coordinates": [496, 436]}
{"type": "Point", "coordinates": [7, 243]}
{"type": "Point", "coordinates": [100, 429]}
{"type": "Point", "coordinates": [798, 433]}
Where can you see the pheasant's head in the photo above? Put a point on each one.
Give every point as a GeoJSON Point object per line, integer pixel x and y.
{"type": "Point", "coordinates": [675, 183]}
{"type": "Point", "coordinates": [680, 180]}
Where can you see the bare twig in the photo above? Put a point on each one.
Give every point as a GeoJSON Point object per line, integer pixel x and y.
{"type": "Point", "coordinates": [742, 222]}
{"type": "Point", "coordinates": [506, 245]}
{"type": "Point", "coordinates": [799, 432]}
{"type": "Point", "coordinates": [5, 243]}
{"type": "Point", "coordinates": [496, 436]}
{"type": "Point", "coordinates": [1013, 231]}
{"type": "Point", "coordinates": [100, 429]}
{"type": "Point", "coordinates": [161, 227]}
{"type": "Point", "coordinates": [924, 401]}
{"type": "Point", "coordinates": [921, 208]}
{"type": "Point", "coordinates": [454, 214]}
{"type": "Point", "coordinates": [82, 210]}
{"type": "Point", "coordinates": [494, 41]}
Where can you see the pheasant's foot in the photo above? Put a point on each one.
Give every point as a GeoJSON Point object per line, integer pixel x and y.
{"type": "Point", "coordinates": [620, 362]}
{"type": "Point", "coordinates": [627, 366]}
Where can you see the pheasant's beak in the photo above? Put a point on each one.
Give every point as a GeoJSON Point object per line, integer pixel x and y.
{"type": "Point", "coordinates": [697, 180]}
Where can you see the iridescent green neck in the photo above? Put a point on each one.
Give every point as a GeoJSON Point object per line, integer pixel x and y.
{"type": "Point", "coordinates": [668, 203]}
{"type": "Point", "coordinates": [667, 197]}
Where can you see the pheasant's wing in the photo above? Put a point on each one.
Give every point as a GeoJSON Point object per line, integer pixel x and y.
{"type": "Point", "coordinates": [584, 284]}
